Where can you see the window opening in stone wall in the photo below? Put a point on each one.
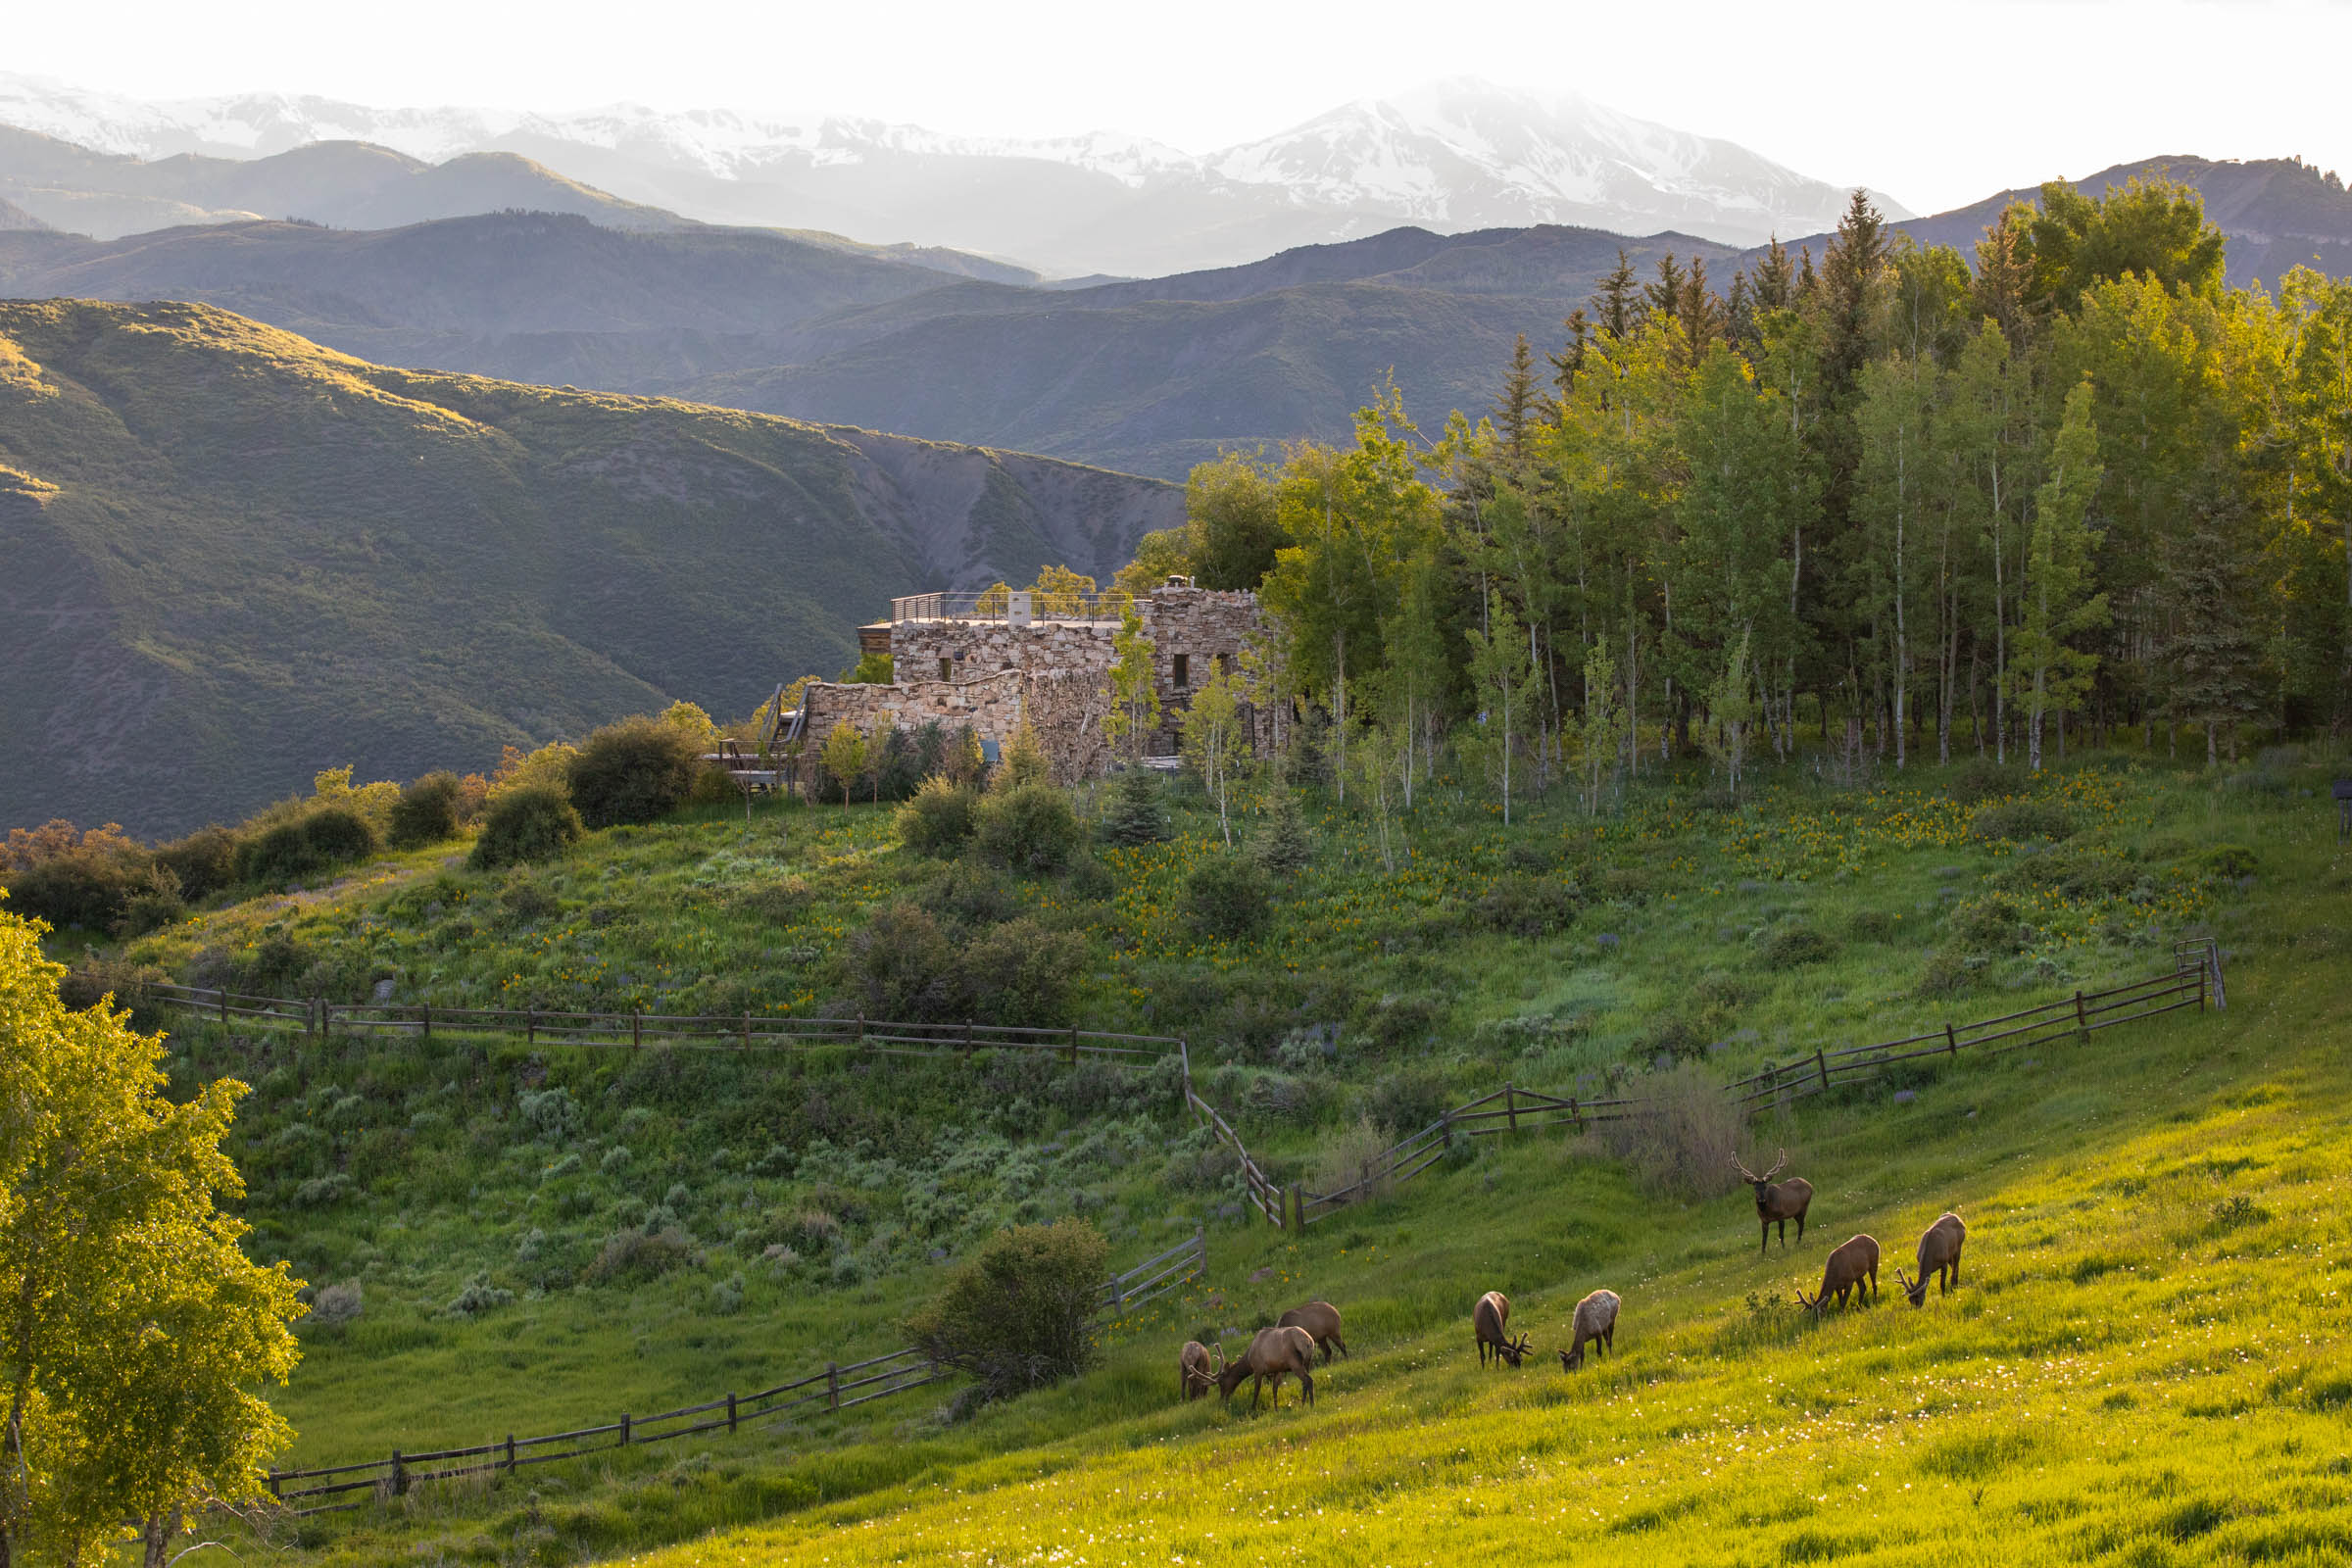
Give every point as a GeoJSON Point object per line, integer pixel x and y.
{"type": "Point", "coordinates": [1184, 670]}
{"type": "Point", "coordinates": [947, 669]}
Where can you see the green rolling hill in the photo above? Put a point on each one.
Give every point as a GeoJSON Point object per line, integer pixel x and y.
{"type": "Point", "coordinates": [229, 556]}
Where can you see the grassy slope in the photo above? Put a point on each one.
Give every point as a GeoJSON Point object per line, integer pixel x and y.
{"type": "Point", "coordinates": [237, 552]}
{"type": "Point", "coordinates": [445, 1183]}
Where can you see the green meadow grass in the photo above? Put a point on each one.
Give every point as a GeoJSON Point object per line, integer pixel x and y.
{"type": "Point", "coordinates": [414, 1171]}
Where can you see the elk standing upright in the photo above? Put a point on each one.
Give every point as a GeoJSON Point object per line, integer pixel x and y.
{"type": "Point", "coordinates": [1778, 1203]}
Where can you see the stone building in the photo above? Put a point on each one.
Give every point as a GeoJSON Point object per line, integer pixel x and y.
{"type": "Point", "coordinates": [995, 660]}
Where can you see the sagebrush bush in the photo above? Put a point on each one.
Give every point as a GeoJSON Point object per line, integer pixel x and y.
{"type": "Point", "coordinates": [427, 812]}
{"type": "Point", "coordinates": [903, 967]}
{"type": "Point", "coordinates": [1228, 896]}
{"type": "Point", "coordinates": [1680, 1142]}
{"type": "Point", "coordinates": [635, 1254]}
{"type": "Point", "coordinates": [278, 855]}
{"type": "Point", "coordinates": [1408, 1099]}
{"type": "Point", "coordinates": [1990, 925]}
{"type": "Point", "coordinates": [535, 823]}
{"type": "Point", "coordinates": [1797, 944]}
{"type": "Point", "coordinates": [939, 821]}
{"type": "Point", "coordinates": [972, 894]}
{"type": "Point", "coordinates": [1980, 779]}
{"type": "Point", "coordinates": [205, 862]}
{"type": "Point", "coordinates": [1347, 1158]}
{"type": "Point", "coordinates": [1022, 973]}
{"type": "Point", "coordinates": [638, 770]}
{"type": "Point", "coordinates": [1029, 828]}
{"type": "Point", "coordinates": [1017, 1315]}
{"type": "Point", "coordinates": [2016, 820]}
{"type": "Point", "coordinates": [336, 1304]}
{"type": "Point", "coordinates": [1523, 906]}
{"type": "Point", "coordinates": [2228, 861]}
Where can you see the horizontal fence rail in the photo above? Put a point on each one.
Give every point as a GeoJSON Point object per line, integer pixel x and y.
{"type": "Point", "coordinates": [730, 1031]}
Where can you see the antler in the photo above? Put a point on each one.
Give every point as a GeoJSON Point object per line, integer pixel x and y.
{"type": "Point", "coordinates": [1745, 1173]}
{"type": "Point", "coordinates": [1218, 1351]}
{"type": "Point", "coordinates": [1778, 1162]}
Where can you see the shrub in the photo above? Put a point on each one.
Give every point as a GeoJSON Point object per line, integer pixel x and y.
{"type": "Point", "coordinates": [550, 1113]}
{"type": "Point", "coordinates": [1407, 1099]}
{"type": "Point", "coordinates": [1137, 811]}
{"type": "Point", "coordinates": [1523, 906]}
{"type": "Point", "coordinates": [780, 901]}
{"type": "Point", "coordinates": [1946, 974]}
{"type": "Point", "coordinates": [278, 856]}
{"type": "Point", "coordinates": [2015, 821]}
{"type": "Point", "coordinates": [1988, 924]}
{"type": "Point", "coordinates": [1015, 1317]}
{"type": "Point", "coordinates": [1980, 779]}
{"type": "Point", "coordinates": [155, 903]}
{"type": "Point", "coordinates": [205, 862]}
{"type": "Point", "coordinates": [66, 878]}
{"type": "Point", "coordinates": [97, 977]}
{"type": "Point", "coordinates": [905, 968]}
{"type": "Point", "coordinates": [1283, 844]}
{"type": "Point", "coordinates": [2076, 873]}
{"type": "Point", "coordinates": [478, 1296]}
{"type": "Point", "coordinates": [1022, 763]}
{"type": "Point", "coordinates": [1029, 828]}
{"type": "Point", "coordinates": [638, 770]}
{"type": "Point", "coordinates": [642, 1255]}
{"type": "Point", "coordinates": [1346, 1157]}
{"type": "Point", "coordinates": [1021, 973]}
{"type": "Point", "coordinates": [534, 822]}
{"type": "Point", "coordinates": [972, 894]}
{"type": "Point", "coordinates": [1680, 1142]}
{"type": "Point", "coordinates": [1796, 945]}
{"type": "Point", "coordinates": [337, 1304]}
{"type": "Point", "coordinates": [1227, 896]}
{"type": "Point", "coordinates": [427, 812]}
{"type": "Point", "coordinates": [939, 820]}
{"type": "Point", "coordinates": [2228, 861]}
{"type": "Point", "coordinates": [338, 835]}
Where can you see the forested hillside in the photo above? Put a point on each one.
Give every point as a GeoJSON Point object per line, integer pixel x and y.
{"type": "Point", "coordinates": [225, 553]}
{"type": "Point", "coordinates": [1924, 501]}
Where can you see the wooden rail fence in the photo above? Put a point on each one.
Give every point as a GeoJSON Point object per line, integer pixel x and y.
{"type": "Point", "coordinates": [837, 1388]}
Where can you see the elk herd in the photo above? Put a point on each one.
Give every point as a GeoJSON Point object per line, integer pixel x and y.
{"type": "Point", "coordinates": [1289, 1349]}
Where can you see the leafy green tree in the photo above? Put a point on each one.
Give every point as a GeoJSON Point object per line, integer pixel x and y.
{"type": "Point", "coordinates": [844, 755]}
{"type": "Point", "coordinates": [1134, 690]}
{"type": "Point", "coordinates": [136, 1331]}
{"type": "Point", "coordinates": [536, 822]}
{"type": "Point", "coordinates": [2059, 604]}
{"type": "Point", "coordinates": [1604, 719]}
{"type": "Point", "coordinates": [1232, 525]}
{"type": "Point", "coordinates": [1498, 670]}
{"type": "Point", "coordinates": [637, 770]}
{"type": "Point", "coordinates": [1019, 1314]}
{"type": "Point", "coordinates": [2152, 229]}
{"type": "Point", "coordinates": [1214, 742]}
{"type": "Point", "coordinates": [1731, 710]}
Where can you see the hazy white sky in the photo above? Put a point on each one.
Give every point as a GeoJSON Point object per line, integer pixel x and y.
{"type": "Point", "coordinates": [1935, 104]}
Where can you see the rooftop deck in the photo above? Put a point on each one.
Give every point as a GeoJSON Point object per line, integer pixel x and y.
{"type": "Point", "coordinates": [1015, 607]}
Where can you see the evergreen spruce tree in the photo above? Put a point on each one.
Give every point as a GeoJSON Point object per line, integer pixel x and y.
{"type": "Point", "coordinates": [1569, 363]}
{"type": "Point", "coordinates": [1775, 283]}
{"type": "Point", "coordinates": [1283, 845]}
{"type": "Point", "coordinates": [1136, 813]}
{"type": "Point", "coordinates": [1516, 405]}
{"type": "Point", "coordinates": [2213, 662]}
{"type": "Point", "coordinates": [1616, 303]}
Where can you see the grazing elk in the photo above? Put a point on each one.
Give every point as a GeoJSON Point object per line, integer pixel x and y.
{"type": "Point", "coordinates": [1195, 1377]}
{"type": "Point", "coordinates": [1852, 1267]}
{"type": "Point", "coordinates": [1938, 1253]}
{"type": "Point", "coordinates": [1596, 1324]}
{"type": "Point", "coordinates": [1778, 1203]}
{"type": "Point", "coordinates": [1274, 1354]}
{"type": "Point", "coordinates": [1487, 1321]}
{"type": "Point", "coordinates": [1321, 1320]}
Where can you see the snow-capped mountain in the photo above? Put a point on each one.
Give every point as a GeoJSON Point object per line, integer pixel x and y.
{"type": "Point", "coordinates": [1452, 156]}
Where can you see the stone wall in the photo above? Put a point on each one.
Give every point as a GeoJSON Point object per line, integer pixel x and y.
{"type": "Point", "coordinates": [1057, 674]}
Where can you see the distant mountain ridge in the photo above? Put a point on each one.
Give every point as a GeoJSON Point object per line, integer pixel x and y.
{"type": "Point", "coordinates": [1455, 155]}
{"type": "Point", "coordinates": [229, 557]}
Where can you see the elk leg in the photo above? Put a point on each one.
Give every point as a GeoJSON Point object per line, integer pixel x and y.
{"type": "Point", "coordinates": [1306, 1383]}
{"type": "Point", "coordinates": [1608, 1339]}
{"type": "Point", "coordinates": [1344, 1350]}
{"type": "Point", "coordinates": [1764, 1240]}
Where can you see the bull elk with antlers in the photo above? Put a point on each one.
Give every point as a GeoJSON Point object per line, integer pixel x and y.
{"type": "Point", "coordinates": [1487, 1321]}
{"type": "Point", "coordinates": [1195, 1377]}
{"type": "Point", "coordinates": [1778, 1203]}
{"type": "Point", "coordinates": [1596, 1324]}
{"type": "Point", "coordinates": [1938, 1253]}
{"type": "Point", "coordinates": [1321, 1320]}
{"type": "Point", "coordinates": [1853, 1267]}
{"type": "Point", "coordinates": [1274, 1354]}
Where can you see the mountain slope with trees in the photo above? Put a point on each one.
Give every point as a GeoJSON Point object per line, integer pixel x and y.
{"type": "Point", "coordinates": [225, 551]}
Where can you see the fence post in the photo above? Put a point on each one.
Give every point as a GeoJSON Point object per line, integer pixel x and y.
{"type": "Point", "coordinates": [400, 1476]}
{"type": "Point", "coordinates": [1446, 1125]}
{"type": "Point", "coordinates": [860, 1028]}
{"type": "Point", "coordinates": [730, 1409]}
{"type": "Point", "coordinates": [220, 996]}
{"type": "Point", "coordinates": [636, 1039]}
{"type": "Point", "coordinates": [747, 1029]}
{"type": "Point", "coordinates": [2081, 1019]}
{"type": "Point", "coordinates": [426, 1009]}
{"type": "Point", "coordinates": [1951, 1039]}
{"type": "Point", "coordinates": [832, 1385]}
{"type": "Point", "coordinates": [310, 1020]}
{"type": "Point", "coordinates": [1118, 1294]}
{"type": "Point", "coordinates": [510, 1450]}
{"type": "Point", "coordinates": [272, 1483]}
{"type": "Point", "coordinates": [1073, 1045]}
{"type": "Point", "coordinates": [625, 1429]}
{"type": "Point", "coordinates": [530, 1025]}
{"type": "Point", "coordinates": [1575, 1114]}
{"type": "Point", "coordinates": [1510, 1106]}
{"type": "Point", "coordinates": [1821, 1065]}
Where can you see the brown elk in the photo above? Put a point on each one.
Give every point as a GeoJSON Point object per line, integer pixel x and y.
{"type": "Point", "coordinates": [1939, 1254]}
{"type": "Point", "coordinates": [1778, 1203]}
{"type": "Point", "coordinates": [1596, 1324]}
{"type": "Point", "coordinates": [1274, 1354]}
{"type": "Point", "coordinates": [1195, 1377]}
{"type": "Point", "coordinates": [1852, 1267]}
{"type": "Point", "coordinates": [1487, 1321]}
{"type": "Point", "coordinates": [1321, 1320]}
